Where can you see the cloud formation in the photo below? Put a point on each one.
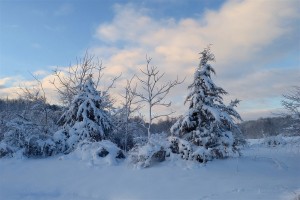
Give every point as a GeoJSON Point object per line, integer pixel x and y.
{"type": "Point", "coordinates": [247, 36]}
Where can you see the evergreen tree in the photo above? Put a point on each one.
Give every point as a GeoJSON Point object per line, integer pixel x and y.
{"type": "Point", "coordinates": [86, 118]}
{"type": "Point", "coordinates": [209, 123]}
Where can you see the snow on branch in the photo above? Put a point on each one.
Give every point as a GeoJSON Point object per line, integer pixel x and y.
{"type": "Point", "coordinates": [68, 82]}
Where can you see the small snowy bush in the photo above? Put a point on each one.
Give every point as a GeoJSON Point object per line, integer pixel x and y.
{"type": "Point", "coordinates": [161, 148]}
{"type": "Point", "coordinates": [103, 152]}
{"type": "Point", "coordinates": [5, 150]}
{"type": "Point", "coordinates": [155, 150]}
{"type": "Point", "coordinates": [274, 140]}
{"type": "Point", "coordinates": [26, 138]}
{"type": "Point", "coordinates": [40, 146]}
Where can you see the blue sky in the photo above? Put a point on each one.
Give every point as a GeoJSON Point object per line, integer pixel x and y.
{"type": "Point", "coordinates": [256, 43]}
{"type": "Point", "coordinates": [40, 33]}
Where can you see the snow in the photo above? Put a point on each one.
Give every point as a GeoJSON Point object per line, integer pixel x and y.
{"type": "Point", "coordinates": [262, 172]}
{"type": "Point", "coordinates": [97, 153]}
{"type": "Point", "coordinates": [208, 115]}
{"type": "Point", "coordinates": [143, 155]}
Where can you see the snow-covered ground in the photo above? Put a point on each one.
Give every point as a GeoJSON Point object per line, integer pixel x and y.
{"type": "Point", "coordinates": [261, 173]}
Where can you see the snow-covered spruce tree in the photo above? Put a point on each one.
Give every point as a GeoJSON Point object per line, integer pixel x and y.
{"type": "Point", "coordinates": [86, 119]}
{"type": "Point", "coordinates": [209, 123]}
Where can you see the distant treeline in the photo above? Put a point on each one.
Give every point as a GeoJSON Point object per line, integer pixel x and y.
{"type": "Point", "coordinates": [266, 127]}
{"type": "Point", "coordinates": [10, 108]}
{"type": "Point", "coordinates": [251, 129]}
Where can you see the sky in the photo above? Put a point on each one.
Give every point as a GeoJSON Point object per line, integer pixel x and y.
{"type": "Point", "coordinates": [256, 44]}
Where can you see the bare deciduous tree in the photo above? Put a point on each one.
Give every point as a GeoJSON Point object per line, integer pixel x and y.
{"type": "Point", "coordinates": [291, 103]}
{"type": "Point", "coordinates": [35, 96]}
{"type": "Point", "coordinates": [129, 106]}
{"type": "Point", "coordinates": [153, 93]}
{"type": "Point", "coordinates": [68, 82]}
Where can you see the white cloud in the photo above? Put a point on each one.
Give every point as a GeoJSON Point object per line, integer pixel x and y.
{"type": "Point", "coordinates": [238, 30]}
{"type": "Point", "coordinates": [3, 81]}
{"type": "Point", "coordinates": [243, 34]}
{"type": "Point", "coordinates": [12, 86]}
{"type": "Point", "coordinates": [40, 73]}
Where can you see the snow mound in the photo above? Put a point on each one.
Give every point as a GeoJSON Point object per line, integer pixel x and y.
{"type": "Point", "coordinates": [98, 153]}
{"type": "Point", "coordinates": [155, 150]}
{"type": "Point", "coordinates": [274, 140]}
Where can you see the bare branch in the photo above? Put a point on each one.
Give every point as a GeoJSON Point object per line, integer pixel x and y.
{"type": "Point", "coordinates": [41, 86]}
{"type": "Point", "coordinates": [291, 101]}
{"type": "Point", "coordinates": [291, 104]}
{"type": "Point", "coordinates": [113, 82]}
{"type": "Point", "coordinates": [152, 93]}
{"type": "Point", "coordinates": [163, 115]}
{"type": "Point", "coordinates": [68, 82]}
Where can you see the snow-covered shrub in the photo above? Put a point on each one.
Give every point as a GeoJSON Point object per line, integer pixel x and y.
{"type": "Point", "coordinates": [209, 123]}
{"type": "Point", "coordinates": [103, 152]}
{"type": "Point", "coordinates": [155, 150]}
{"type": "Point", "coordinates": [40, 146]}
{"type": "Point", "coordinates": [85, 119]}
{"type": "Point", "coordinates": [127, 127]}
{"type": "Point", "coordinates": [27, 125]}
{"type": "Point", "coordinates": [28, 138]}
{"type": "Point", "coordinates": [274, 141]}
{"type": "Point", "coordinates": [127, 132]}
{"type": "Point", "coordinates": [5, 150]}
{"type": "Point", "coordinates": [190, 151]}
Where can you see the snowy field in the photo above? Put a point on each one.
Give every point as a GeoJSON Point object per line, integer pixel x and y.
{"type": "Point", "coordinates": [260, 173]}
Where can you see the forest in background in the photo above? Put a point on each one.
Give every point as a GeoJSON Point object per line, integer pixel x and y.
{"type": "Point", "coordinates": [251, 129]}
